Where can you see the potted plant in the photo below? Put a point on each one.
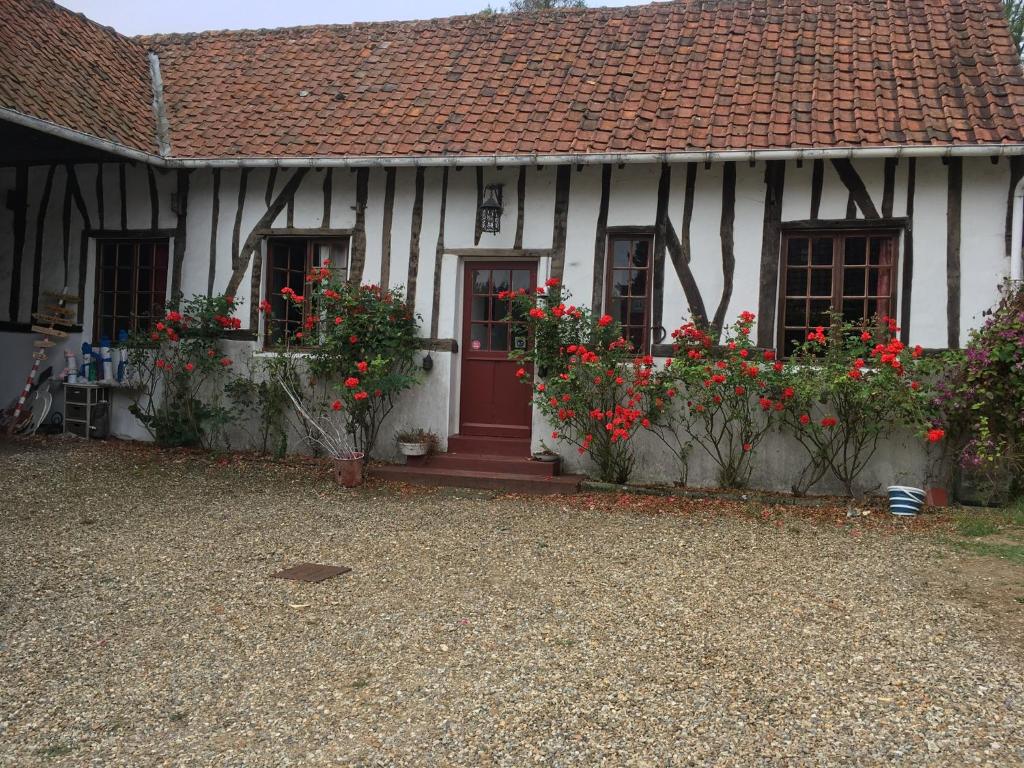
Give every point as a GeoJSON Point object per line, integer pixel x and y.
{"type": "Point", "coordinates": [416, 442]}
{"type": "Point", "coordinates": [325, 428]}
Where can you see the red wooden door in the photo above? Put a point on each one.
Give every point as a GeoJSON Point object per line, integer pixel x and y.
{"type": "Point", "coordinates": [493, 402]}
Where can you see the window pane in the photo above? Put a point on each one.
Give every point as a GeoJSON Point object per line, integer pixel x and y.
{"type": "Point", "coordinates": [620, 282]}
{"type": "Point", "coordinates": [500, 280]}
{"type": "Point", "coordinates": [641, 253]}
{"type": "Point", "coordinates": [796, 312]}
{"type": "Point", "coordinates": [855, 250]}
{"type": "Point", "coordinates": [821, 255]}
{"type": "Point", "coordinates": [853, 282]}
{"type": "Point", "coordinates": [853, 310]}
{"type": "Point", "coordinates": [521, 280]}
{"type": "Point", "coordinates": [638, 283]}
{"type": "Point", "coordinates": [620, 254]}
{"type": "Point", "coordinates": [821, 282]}
{"type": "Point", "coordinates": [796, 254]}
{"type": "Point", "coordinates": [796, 282]}
{"type": "Point", "coordinates": [819, 312]}
{"type": "Point", "coordinates": [636, 312]}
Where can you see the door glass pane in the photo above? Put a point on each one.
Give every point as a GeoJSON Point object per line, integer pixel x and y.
{"type": "Point", "coordinates": [499, 337]}
{"type": "Point", "coordinates": [620, 282]}
{"type": "Point", "coordinates": [481, 280]}
{"type": "Point", "coordinates": [636, 312]}
{"type": "Point", "coordinates": [499, 309]}
{"type": "Point", "coordinates": [479, 309]}
{"type": "Point", "coordinates": [500, 280]}
{"type": "Point", "coordinates": [478, 336]}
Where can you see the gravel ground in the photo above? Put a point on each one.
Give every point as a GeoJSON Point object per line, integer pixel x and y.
{"type": "Point", "coordinates": [138, 627]}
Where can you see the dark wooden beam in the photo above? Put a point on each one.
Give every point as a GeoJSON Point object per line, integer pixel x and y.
{"type": "Point", "coordinates": [154, 198]}
{"type": "Point", "coordinates": [563, 179]}
{"type": "Point", "coordinates": [180, 229]}
{"type": "Point", "coordinates": [358, 260]}
{"type": "Point", "coordinates": [214, 225]}
{"type": "Point", "coordinates": [123, 184]}
{"type": "Point", "coordinates": [272, 212]}
{"type": "Point", "coordinates": [19, 206]}
{"type": "Point", "coordinates": [65, 221]}
{"type": "Point", "coordinates": [601, 239]}
{"type": "Point", "coordinates": [771, 233]}
{"type": "Point", "coordinates": [236, 230]}
{"type": "Point", "coordinates": [896, 222]}
{"type": "Point", "coordinates": [389, 212]}
{"type": "Point", "coordinates": [726, 233]}
{"type": "Point", "coordinates": [851, 207]}
{"type": "Point", "coordinates": [908, 254]}
{"type": "Point", "coordinates": [414, 239]}
{"type": "Point", "coordinates": [889, 186]}
{"type": "Point", "coordinates": [477, 230]}
{"type": "Point", "coordinates": [817, 182]}
{"type": "Point", "coordinates": [520, 206]}
{"type": "Point", "coordinates": [83, 240]}
{"type": "Point", "coordinates": [853, 182]}
{"type": "Point", "coordinates": [100, 215]}
{"type": "Point", "coordinates": [269, 195]}
{"type": "Point", "coordinates": [438, 253]}
{"type": "Point", "coordinates": [37, 258]}
{"type": "Point", "coordinates": [954, 190]}
{"type": "Point", "coordinates": [325, 219]}
{"type": "Point", "coordinates": [678, 247]}
{"type": "Point", "coordinates": [660, 236]}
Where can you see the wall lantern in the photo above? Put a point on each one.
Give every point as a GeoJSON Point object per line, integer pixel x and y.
{"type": "Point", "coordinates": [490, 210]}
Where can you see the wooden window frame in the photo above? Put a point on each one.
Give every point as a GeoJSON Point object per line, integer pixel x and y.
{"type": "Point", "coordinates": [312, 242]}
{"type": "Point", "coordinates": [136, 241]}
{"type": "Point", "coordinates": [609, 268]}
{"type": "Point", "coordinates": [839, 236]}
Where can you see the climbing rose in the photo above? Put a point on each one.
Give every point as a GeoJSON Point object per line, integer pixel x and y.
{"type": "Point", "coordinates": [190, 367]}
{"type": "Point", "coordinates": [828, 421]}
{"type": "Point", "coordinates": [936, 434]}
{"type": "Point", "coordinates": [552, 282]}
{"type": "Point", "coordinates": [605, 320]}
{"type": "Point", "coordinates": [353, 339]}
{"type": "Point", "coordinates": [362, 365]}
{"type": "Point", "coordinates": [336, 405]}
{"type": "Point", "coordinates": [360, 395]}
{"type": "Point", "coordinates": [225, 361]}
{"type": "Point", "coordinates": [351, 382]}
{"type": "Point", "coordinates": [805, 419]}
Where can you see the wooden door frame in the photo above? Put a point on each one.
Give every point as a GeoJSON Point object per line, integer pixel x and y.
{"type": "Point", "coordinates": [488, 260]}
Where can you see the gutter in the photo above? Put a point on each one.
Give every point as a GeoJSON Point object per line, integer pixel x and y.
{"type": "Point", "coordinates": [589, 158]}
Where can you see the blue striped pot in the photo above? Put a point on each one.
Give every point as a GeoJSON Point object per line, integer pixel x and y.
{"type": "Point", "coordinates": [905, 501]}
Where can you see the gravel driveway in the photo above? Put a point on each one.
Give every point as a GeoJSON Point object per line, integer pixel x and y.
{"type": "Point", "coordinates": [138, 627]}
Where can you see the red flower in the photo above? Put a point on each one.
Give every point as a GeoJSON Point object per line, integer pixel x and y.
{"type": "Point", "coordinates": [854, 374]}
{"type": "Point", "coordinates": [915, 385]}
{"type": "Point", "coordinates": [336, 405]}
{"type": "Point", "coordinates": [265, 306]}
{"type": "Point", "coordinates": [828, 421]}
{"type": "Point", "coordinates": [936, 434]}
{"type": "Point", "coordinates": [362, 365]}
{"type": "Point", "coordinates": [552, 282]}
{"type": "Point", "coordinates": [540, 387]}
{"type": "Point", "coordinates": [225, 361]}
{"type": "Point", "coordinates": [787, 393]}
{"type": "Point", "coordinates": [554, 435]}
{"type": "Point", "coordinates": [865, 336]}
{"type": "Point", "coordinates": [537, 313]}
{"type": "Point", "coordinates": [351, 382]}
{"type": "Point", "coordinates": [160, 363]}
{"type": "Point", "coordinates": [744, 352]}
{"type": "Point", "coordinates": [360, 395]}
{"type": "Point", "coordinates": [917, 352]}
{"type": "Point", "coordinates": [747, 317]}
{"type": "Point", "coordinates": [747, 447]}
{"type": "Point", "coordinates": [769, 355]}
{"type": "Point", "coordinates": [160, 326]}
{"type": "Point", "coordinates": [520, 373]}
{"type": "Point", "coordinates": [337, 320]}
{"type": "Point", "coordinates": [605, 320]}
{"type": "Point", "coordinates": [189, 367]}
{"type": "Point", "coordinates": [353, 339]}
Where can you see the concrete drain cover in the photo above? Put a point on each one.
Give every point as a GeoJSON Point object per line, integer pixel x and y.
{"type": "Point", "coordinates": [312, 572]}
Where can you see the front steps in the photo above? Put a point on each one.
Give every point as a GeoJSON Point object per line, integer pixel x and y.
{"type": "Point", "coordinates": [492, 463]}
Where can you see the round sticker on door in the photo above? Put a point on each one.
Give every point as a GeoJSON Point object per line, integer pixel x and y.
{"type": "Point", "coordinates": [475, 344]}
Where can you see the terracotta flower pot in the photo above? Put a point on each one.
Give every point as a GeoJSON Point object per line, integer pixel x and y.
{"type": "Point", "coordinates": [348, 471]}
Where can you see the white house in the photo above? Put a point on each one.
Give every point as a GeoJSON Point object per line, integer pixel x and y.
{"type": "Point", "coordinates": [782, 157]}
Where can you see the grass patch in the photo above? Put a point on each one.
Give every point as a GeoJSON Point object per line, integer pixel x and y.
{"type": "Point", "coordinates": [1013, 553]}
{"type": "Point", "coordinates": [975, 525]}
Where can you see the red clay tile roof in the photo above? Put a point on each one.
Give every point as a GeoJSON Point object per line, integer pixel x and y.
{"type": "Point", "coordinates": [675, 76]}
{"type": "Point", "coordinates": [58, 66]}
{"type": "Point", "coordinates": [733, 74]}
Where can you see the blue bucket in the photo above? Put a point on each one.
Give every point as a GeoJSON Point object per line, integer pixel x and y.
{"type": "Point", "coordinates": [905, 501]}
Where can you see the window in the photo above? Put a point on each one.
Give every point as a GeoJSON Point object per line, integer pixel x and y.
{"type": "Point", "coordinates": [131, 285]}
{"type": "Point", "coordinates": [628, 286]}
{"type": "Point", "coordinates": [849, 272]}
{"type": "Point", "coordinates": [289, 260]}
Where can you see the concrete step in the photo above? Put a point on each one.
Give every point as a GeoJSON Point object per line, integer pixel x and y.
{"type": "Point", "coordinates": [512, 465]}
{"type": "Point", "coordinates": [467, 478]}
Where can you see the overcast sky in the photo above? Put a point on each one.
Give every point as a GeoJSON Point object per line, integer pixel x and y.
{"type": "Point", "coordinates": [136, 17]}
